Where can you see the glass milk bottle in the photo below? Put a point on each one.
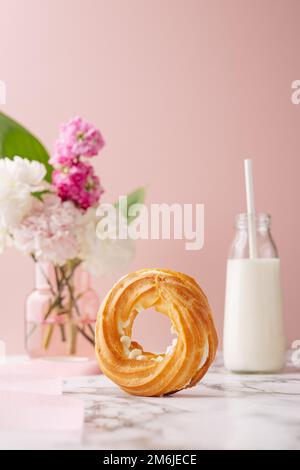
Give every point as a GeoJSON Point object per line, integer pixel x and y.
{"type": "Point", "coordinates": [254, 339]}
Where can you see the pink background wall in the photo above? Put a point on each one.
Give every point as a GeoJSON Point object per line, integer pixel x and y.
{"type": "Point", "coordinates": [182, 90]}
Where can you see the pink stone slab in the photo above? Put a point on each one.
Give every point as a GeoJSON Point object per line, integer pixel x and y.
{"type": "Point", "coordinates": [31, 383]}
{"type": "Point", "coordinates": [38, 412]}
{"type": "Point", "coordinates": [50, 368]}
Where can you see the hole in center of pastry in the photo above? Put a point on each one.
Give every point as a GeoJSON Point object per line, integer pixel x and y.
{"type": "Point", "coordinates": [152, 330]}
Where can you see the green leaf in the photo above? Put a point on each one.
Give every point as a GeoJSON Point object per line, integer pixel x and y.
{"type": "Point", "coordinates": [135, 197]}
{"type": "Point", "coordinates": [16, 140]}
{"type": "Point", "coordinates": [39, 194]}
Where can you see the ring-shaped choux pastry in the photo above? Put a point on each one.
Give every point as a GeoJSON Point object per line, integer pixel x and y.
{"type": "Point", "coordinates": [185, 362]}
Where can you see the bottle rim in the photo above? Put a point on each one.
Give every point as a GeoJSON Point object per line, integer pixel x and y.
{"type": "Point", "coordinates": [262, 220]}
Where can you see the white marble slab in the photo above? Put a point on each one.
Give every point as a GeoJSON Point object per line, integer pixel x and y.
{"type": "Point", "coordinates": [225, 411]}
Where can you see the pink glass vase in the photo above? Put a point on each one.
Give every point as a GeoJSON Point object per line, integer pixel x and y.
{"type": "Point", "coordinates": [60, 313]}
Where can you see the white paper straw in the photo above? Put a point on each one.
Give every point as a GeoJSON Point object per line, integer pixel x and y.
{"type": "Point", "coordinates": [250, 209]}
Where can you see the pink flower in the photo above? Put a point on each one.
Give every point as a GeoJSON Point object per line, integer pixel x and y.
{"type": "Point", "coordinates": [77, 138]}
{"type": "Point", "coordinates": [63, 155]}
{"type": "Point", "coordinates": [78, 184]}
{"type": "Point", "coordinates": [51, 231]}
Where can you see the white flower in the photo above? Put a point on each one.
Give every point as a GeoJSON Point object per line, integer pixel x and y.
{"type": "Point", "coordinates": [51, 231]}
{"type": "Point", "coordinates": [103, 256]}
{"type": "Point", "coordinates": [29, 172]}
{"type": "Point", "coordinates": [18, 179]}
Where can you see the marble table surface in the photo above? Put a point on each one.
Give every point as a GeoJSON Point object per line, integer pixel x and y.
{"type": "Point", "coordinates": [225, 411]}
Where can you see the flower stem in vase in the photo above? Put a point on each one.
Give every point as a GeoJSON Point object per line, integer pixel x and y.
{"type": "Point", "coordinates": [64, 319]}
{"type": "Point", "coordinates": [74, 304]}
{"type": "Point", "coordinates": [48, 335]}
{"type": "Point", "coordinates": [73, 338]}
{"type": "Point", "coordinates": [63, 333]}
{"type": "Point", "coordinates": [91, 340]}
{"type": "Point", "coordinates": [57, 303]}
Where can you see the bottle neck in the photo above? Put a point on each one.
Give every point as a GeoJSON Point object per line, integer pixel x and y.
{"type": "Point", "coordinates": [264, 243]}
{"type": "Point", "coordinates": [43, 275]}
{"type": "Point", "coordinates": [45, 278]}
{"type": "Point", "coordinates": [261, 222]}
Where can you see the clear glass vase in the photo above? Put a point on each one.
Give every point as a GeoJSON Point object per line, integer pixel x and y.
{"type": "Point", "coordinates": [60, 313]}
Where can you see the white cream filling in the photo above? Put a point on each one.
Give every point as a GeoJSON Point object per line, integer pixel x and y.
{"type": "Point", "coordinates": [135, 353]}
{"type": "Point", "coordinates": [126, 341]}
{"type": "Point", "coordinates": [173, 331]}
{"type": "Point", "coordinates": [138, 353]}
{"type": "Point", "coordinates": [131, 354]}
{"type": "Point", "coordinates": [170, 349]}
{"type": "Point", "coordinates": [122, 325]}
{"type": "Point", "coordinates": [157, 358]}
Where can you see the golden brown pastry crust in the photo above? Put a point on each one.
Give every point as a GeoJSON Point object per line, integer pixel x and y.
{"type": "Point", "coordinates": [174, 294]}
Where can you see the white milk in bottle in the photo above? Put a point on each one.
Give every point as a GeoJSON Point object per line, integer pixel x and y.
{"type": "Point", "coordinates": [254, 338]}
